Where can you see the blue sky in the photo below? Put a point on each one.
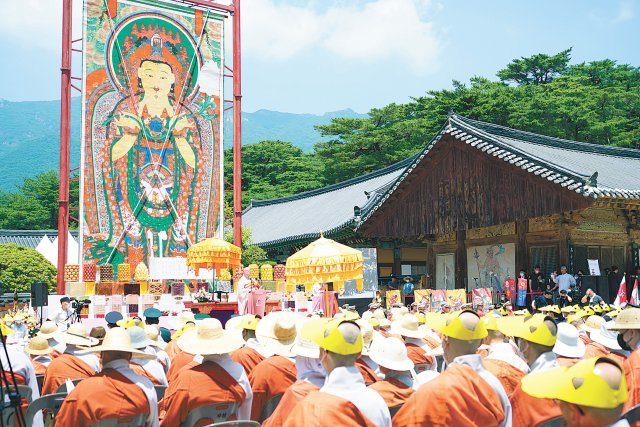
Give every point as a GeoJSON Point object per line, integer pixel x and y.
{"type": "Point", "coordinates": [313, 56]}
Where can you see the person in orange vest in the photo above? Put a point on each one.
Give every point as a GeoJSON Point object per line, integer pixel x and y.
{"type": "Point", "coordinates": [627, 324]}
{"type": "Point", "coordinates": [211, 377]}
{"type": "Point", "coordinates": [569, 348]}
{"type": "Point", "coordinates": [465, 393]}
{"type": "Point", "coordinates": [344, 399]}
{"type": "Point", "coordinates": [590, 393]}
{"type": "Point", "coordinates": [149, 368]}
{"type": "Point", "coordinates": [179, 358]}
{"type": "Point", "coordinates": [605, 343]}
{"type": "Point", "coordinates": [537, 334]}
{"type": "Point", "coordinates": [399, 382]}
{"type": "Point", "coordinates": [310, 373]}
{"type": "Point", "coordinates": [252, 352]}
{"type": "Point", "coordinates": [502, 359]}
{"type": "Point", "coordinates": [270, 378]}
{"type": "Point", "coordinates": [368, 368]}
{"type": "Point", "coordinates": [75, 362]}
{"type": "Point", "coordinates": [408, 327]}
{"type": "Point", "coordinates": [22, 370]}
{"type": "Point", "coordinates": [157, 346]}
{"type": "Point", "coordinates": [116, 392]}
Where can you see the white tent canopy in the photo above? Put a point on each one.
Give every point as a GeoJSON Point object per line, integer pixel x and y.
{"type": "Point", "coordinates": [49, 249]}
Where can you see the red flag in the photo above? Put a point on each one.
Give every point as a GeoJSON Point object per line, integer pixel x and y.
{"type": "Point", "coordinates": [621, 299]}
{"type": "Point", "coordinates": [634, 294]}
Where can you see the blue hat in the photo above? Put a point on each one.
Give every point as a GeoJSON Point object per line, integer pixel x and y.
{"type": "Point", "coordinates": [201, 316]}
{"type": "Point", "coordinates": [153, 313]}
{"type": "Point", "coordinates": [165, 334]}
{"type": "Point", "coordinates": [112, 317]}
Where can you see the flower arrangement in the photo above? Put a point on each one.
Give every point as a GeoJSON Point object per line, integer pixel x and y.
{"type": "Point", "coordinates": [203, 296]}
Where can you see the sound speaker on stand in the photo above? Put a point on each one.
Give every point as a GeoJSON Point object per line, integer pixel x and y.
{"type": "Point", "coordinates": [39, 294]}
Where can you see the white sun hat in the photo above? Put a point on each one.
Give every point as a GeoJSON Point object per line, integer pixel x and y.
{"type": "Point", "coordinates": [592, 324]}
{"type": "Point", "coordinates": [568, 343]}
{"type": "Point", "coordinates": [208, 337]}
{"type": "Point", "coordinates": [391, 353]}
{"type": "Point", "coordinates": [139, 339]}
{"type": "Point", "coordinates": [48, 329]}
{"type": "Point", "coordinates": [606, 336]}
{"type": "Point", "coordinates": [409, 326]}
{"type": "Point", "coordinates": [118, 339]}
{"type": "Point", "coordinates": [277, 332]}
{"type": "Point", "coordinates": [77, 334]}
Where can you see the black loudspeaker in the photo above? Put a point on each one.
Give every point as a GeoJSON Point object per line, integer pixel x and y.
{"type": "Point", "coordinates": [39, 294]}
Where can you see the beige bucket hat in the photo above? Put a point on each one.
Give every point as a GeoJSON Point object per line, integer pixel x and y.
{"type": "Point", "coordinates": [38, 346]}
{"type": "Point", "coordinates": [208, 337]}
{"type": "Point", "coordinates": [277, 332]}
{"type": "Point", "coordinates": [629, 318]}
{"type": "Point", "coordinates": [409, 326]}
{"type": "Point", "coordinates": [118, 339]}
{"type": "Point", "coordinates": [391, 353]}
{"type": "Point", "coordinates": [593, 323]}
{"type": "Point", "coordinates": [367, 335]}
{"type": "Point", "coordinates": [76, 335]}
{"type": "Point", "coordinates": [48, 329]}
{"type": "Point", "coordinates": [153, 333]}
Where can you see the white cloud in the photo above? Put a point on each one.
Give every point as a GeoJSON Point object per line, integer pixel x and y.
{"type": "Point", "coordinates": [36, 23]}
{"type": "Point", "coordinates": [278, 31]}
{"type": "Point", "coordinates": [626, 11]}
{"type": "Point", "coordinates": [377, 30]}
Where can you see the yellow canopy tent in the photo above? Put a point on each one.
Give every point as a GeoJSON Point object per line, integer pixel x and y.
{"type": "Point", "coordinates": [325, 261]}
{"type": "Point", "coordinates": [213, 253]}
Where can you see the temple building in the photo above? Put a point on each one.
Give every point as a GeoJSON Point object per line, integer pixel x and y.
{"type": "Point", "coordinates": [477, 204]}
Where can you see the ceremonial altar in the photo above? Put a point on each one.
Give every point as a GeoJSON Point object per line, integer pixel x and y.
{"type": "Point", "coordinates": [224, 310]}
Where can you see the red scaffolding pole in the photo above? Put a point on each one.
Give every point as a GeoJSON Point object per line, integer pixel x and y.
{"type": "Point", "coordinates": [237, 129]}
{"type": "Point", "coordinates": [65, 139]}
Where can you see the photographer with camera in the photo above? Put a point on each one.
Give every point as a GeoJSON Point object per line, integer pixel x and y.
{"type": "Point", "coordinates": [63, 316]}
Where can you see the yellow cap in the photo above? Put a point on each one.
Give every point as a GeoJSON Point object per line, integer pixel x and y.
{"type": "Point", "coordinates": [490, 323]}
{"type": "Point", "coordinates": [5, 329]}
{"type": "Point", "coordinates": [597, 308]}
{"type": "Point", "coordinates": [588, 310]}
{"type": "Point", "coordinates": [454, 328]}
{"type": "Point", "coordinates": [422, 319]}
{"type": "Point", "coordinates": [330, 338]}
{"type": "Point", "coordinates": [503, 311]}
{"type": "Point", "coordinates": [249, 322]}
{"type": "Point", "coordinates": [578, 384]}
{"type": "Point", "coordinates": [435, 320]}
{"type": "Point", "coordinates": [523, 312]}
{"type": "Point", "coordinates": [126, 323]}
{"type": "Point", "coordinates": [530, 328]}
{"type": "Point", "coordinates": [574, 318]}
{"type": "Point", "coordinates": [347, 315]}
{"type": "Point", "coordinates": [177, 334]}
{"type": "Point", "coordinates": [374, 322]}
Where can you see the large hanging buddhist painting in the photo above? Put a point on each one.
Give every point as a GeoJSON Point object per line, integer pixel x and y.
{"type": "Point", "coordinates": [151, 169]}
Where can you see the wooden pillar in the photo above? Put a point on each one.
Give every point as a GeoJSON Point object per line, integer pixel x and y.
{"type": "Point", "coordinates": [431, 264]}
{"type": "Point", "coordinates": [461, 259]}
{"type": "Point", "coordinates": [397, 258]}
{"type": "Point", "coordinates": [522, 251]}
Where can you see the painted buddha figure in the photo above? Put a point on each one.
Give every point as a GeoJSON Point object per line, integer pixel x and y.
{"type": "Point", "coordinates": [153, 152]}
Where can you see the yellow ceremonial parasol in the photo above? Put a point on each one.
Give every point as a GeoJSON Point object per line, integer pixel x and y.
{"type": "Point", "coordinates": [213, 253]}
{"type": "Point", "coordinates": [325, 261]}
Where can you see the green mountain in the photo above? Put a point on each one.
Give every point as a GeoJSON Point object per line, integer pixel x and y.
{"type": "Point", "coordinates": [29, 135]}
